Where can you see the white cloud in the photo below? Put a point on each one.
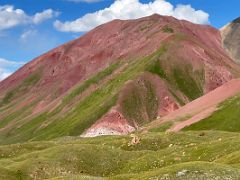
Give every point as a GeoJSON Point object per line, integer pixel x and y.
{"type": "Point", "coordinates": [45, 15]}
{"type": "Point", "coordinates": [4, 74]}
{"type": "Point", "coordinates": [186, 12]}
{"type": "Point", "coordinates": [6, 63]}
{"type": "Point", "coordinates": [27, 34]}
{"type": "Point", "coordinates": [6, 67]}
{"type": "Point", "coordinates": [11, 17]}
{"type": "Point", "coordinates": [132, 9]}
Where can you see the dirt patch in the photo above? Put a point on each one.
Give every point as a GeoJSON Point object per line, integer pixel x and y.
{"type": "Point", "coordinates": [113, 123]}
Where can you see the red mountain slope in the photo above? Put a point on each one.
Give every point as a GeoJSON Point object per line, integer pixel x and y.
{"type": "Point", "coordinates": [121, 75]}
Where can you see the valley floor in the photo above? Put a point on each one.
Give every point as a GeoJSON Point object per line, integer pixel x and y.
{"type": "Point", "coordinates": [155, 155]}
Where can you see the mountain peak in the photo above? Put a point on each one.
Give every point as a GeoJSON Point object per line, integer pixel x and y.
{"type": "Point", "coordinates": [230, 38]}
{"type": "Point", "coordinates": [237, 20]}
{"type": "Point", "coordinates": [156, 15]}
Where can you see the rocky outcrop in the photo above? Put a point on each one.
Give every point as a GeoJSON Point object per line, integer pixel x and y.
{"type": "Point", "coordinates": [231, 39]}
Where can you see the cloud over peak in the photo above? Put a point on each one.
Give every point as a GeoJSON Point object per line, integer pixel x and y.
{"type": "Point", "coordinates": [132, 9]}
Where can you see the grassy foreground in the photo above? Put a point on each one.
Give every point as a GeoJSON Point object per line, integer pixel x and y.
{"type": "Point", "coordinates": [184, 155]}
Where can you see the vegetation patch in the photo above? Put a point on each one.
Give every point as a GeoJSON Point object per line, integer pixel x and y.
{"type": "Point", "coordinates": [179, 100]}
{"type": "Point", "coordinates": [93, 80]}
{"type": "Point", "coordinates": [23, 87]}
{"type": "Point", "coordinates": [185, 80]}
{"type": "Point", "coordinates": [155, 68]}
{"type": "Point", "coordinates": [167, 29]}
{"type": "Point", "coordinates": [140, 105]}
{"type": "Point", "coordinates": [16, 116]}
{"type": "Point", "coordinates": [162, 128]}
{"type": "Point", "coordinates": [225, 119]}
{"type": "Point", "coordinates": [144, 27]}
{"type": "Point", "coordinates": [23, 132]}
{"type": "Point", "coordinates": [102, 110]}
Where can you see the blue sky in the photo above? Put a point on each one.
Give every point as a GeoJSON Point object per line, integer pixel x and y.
{"type": "Point", "coordinates": [29, 28]}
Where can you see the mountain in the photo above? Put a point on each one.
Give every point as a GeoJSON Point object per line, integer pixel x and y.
{"type": "Point", "coordinates": [166, 86]}
{"type": "Point", "coordinates": [113, 80]}
{"type": "Point", "coordinates": [231, 39]}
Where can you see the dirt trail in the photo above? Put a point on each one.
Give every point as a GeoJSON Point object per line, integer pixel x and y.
{"type": "Point", "coordinates": [201, 107]}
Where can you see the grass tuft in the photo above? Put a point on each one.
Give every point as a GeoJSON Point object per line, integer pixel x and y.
{"type": "Point", "coordinates": [167, 29]}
